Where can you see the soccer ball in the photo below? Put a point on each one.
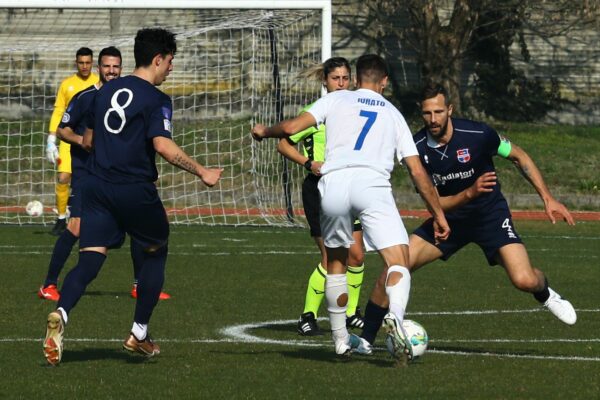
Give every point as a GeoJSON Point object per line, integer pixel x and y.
{"type": "Point", "coordinates": [416, 334]}
{"type": "Point", "coordinates": [34, 208]}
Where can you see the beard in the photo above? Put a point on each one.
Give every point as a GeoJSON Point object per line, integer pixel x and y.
{"type": "Point", "coordinates": [441, 133]}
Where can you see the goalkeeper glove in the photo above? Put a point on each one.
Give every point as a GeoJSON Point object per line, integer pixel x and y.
{"type": "Point", "coordinates": [51, 149]}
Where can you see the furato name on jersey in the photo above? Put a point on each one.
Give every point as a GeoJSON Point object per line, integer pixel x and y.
{"type": "Point", "coordinates": [371, 102]}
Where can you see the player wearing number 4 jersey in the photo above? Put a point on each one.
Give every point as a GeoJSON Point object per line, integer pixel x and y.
{"type": "Point", "coordinates": [457, 153]}
{"type": "Point", "coordinates": [364, 132]}
{"type": "Point", "coordinates": [129, 123]}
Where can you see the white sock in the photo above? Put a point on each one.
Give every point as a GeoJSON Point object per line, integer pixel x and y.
{"type": "Point", "coordinates": [336, 285]}
{"type": "Point", "coordinates": [139, 330]}
{"type": "Point", "coordinates": [398, 293]}
{"type": "Point", "coordinates": [62, 312]}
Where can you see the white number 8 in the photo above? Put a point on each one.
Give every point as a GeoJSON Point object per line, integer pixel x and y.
{"type": "Point", "coordinates": [119, 109]}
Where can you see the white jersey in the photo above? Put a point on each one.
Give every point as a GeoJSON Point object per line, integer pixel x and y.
{"type": "Point", "coordinates": [363, 129]}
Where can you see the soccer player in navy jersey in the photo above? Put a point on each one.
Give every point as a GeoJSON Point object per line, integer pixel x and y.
{"type": "Point", "coordinates": [458, 153]}
{"type": "Point", "coordinates": [129, 122]}
{"type": "Point", "coordinates": [70, 130]}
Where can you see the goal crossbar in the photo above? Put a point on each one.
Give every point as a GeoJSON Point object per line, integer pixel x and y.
{"type": "Point", "coordinates": [238, 63]}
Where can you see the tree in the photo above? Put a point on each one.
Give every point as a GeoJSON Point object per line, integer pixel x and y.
{"type": "Point", "coordinates": [442, 34]}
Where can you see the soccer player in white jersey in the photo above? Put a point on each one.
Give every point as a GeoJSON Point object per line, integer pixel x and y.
{"type": "Point", "coordinates": [334, 74]}
{"type": "Point", "coordinates": [364, 132]}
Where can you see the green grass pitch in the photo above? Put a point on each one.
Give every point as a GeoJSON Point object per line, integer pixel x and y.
{"type": "Point", "coordinates": [229, 330]}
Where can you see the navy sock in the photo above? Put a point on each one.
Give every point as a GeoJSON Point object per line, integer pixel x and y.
{"type": "Point", "coordinates": [543, 294]}
{"type": "Point", "coordinates": [137, 256]}
{"type": "Point", "coordinates": [79, 277]}
{"type": "Point", "coordinates": [373, 318]}
{"type": "Point", "coordinates": [151, 279]}
{"type": "Point", "coordinates": [62, 249]}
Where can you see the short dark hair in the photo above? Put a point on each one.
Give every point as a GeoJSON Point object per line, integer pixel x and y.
{"type": "Point", "coordinates": [110, 51]}
{"type": "Point", "coordinates": [333, 63]}
{"type": "Point", "coordinates": [84, 51]}
{"type": "Point", "coordinates": [150, 42]}
{"type": "Point", "coordinates": [371, 68]}
{"type": "Point", "coordinates": [432, 89]}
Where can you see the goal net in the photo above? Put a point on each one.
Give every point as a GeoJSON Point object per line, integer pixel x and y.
{"type": "Point", "coordinates": [233, 68]}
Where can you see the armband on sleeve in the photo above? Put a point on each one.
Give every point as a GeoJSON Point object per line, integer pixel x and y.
{"type": "Point", "coordinates": [504, 148]}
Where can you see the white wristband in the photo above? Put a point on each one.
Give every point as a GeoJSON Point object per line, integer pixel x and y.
{"type": "Point", "coordinates": [51, 139]}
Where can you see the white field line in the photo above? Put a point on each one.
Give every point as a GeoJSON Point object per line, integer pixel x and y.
{"type": "Point", "coordinates": [491, 312]}
{"type": "Point", "coordinates": [241, 334]}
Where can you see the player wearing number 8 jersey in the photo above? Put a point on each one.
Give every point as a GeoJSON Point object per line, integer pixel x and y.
{"type": "Point", "coordinates": [130, 122]}
{"type": "Point", "coordinates": [364, 133]}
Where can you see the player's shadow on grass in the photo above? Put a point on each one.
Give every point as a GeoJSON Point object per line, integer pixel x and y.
{"type": "Point", "coordinates": [279, 328]}
{"type": "Point", "coordinates": [92, 354]}
{"type": "Point", "coordinates": [48, 232]}
{"type": "Point", "coordinates": [111, 293]}
{"type": "Point", "coordinates": [328, 355]}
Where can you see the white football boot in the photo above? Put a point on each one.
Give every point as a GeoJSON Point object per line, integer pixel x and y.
{"type": "Point", "coordinates": [342, 348]}
{"type": "Point", "coordinates": [399, 346]}
{"type": "Point", "coordinates": [561, 308]}
{"type": "Point", "coordinates": [360, 345]}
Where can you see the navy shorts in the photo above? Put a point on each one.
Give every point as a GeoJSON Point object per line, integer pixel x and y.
{"type": "Point", "coordinates": [311, 201]}
{"type": "Point", "coordinates": [110, 210]}
{"type": "Point", "coordinates": [490, 232]}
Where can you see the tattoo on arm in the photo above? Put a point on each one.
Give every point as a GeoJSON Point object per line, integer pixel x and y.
{"type": "Point", "coordinates": [183, 163]}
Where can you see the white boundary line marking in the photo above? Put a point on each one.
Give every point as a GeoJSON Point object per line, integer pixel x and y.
{"type": "Point", "coordinates": [240, 334]}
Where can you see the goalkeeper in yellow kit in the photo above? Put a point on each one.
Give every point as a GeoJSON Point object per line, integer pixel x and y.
{"type": "Point", "coordinates": [61, 155]}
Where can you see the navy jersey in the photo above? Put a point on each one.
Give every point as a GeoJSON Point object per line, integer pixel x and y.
{"type": "Point", "coordinates": [127, 114]}
{"type": "Point", "coordinates": [457, 165]}
{"type": "Point", "coordinates": [75, 118]}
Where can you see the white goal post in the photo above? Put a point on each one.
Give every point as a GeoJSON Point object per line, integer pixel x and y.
{"type": "Point", "coordinates": [237, 63]}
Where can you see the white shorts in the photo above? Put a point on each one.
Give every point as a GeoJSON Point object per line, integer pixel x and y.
{"type": "Point", "coordinates": [364, 193]}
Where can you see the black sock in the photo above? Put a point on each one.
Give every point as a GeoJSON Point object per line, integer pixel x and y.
{"type": "Point", "coordinates": [62, 249]}
{"type": "Point", "coordinates": [79, 277]}
{"type": "Point", "coordinates": [373, 318]}
{"type": "Point", "coordinates": [543, 294]}
{"type": "Point", "coordinates": [151, 279]}
{"type": "Point", "coordinates": [137, 256]}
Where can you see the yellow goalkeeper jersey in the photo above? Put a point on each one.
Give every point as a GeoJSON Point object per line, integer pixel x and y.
{"type": "Point", "coordinates": [68, 88]}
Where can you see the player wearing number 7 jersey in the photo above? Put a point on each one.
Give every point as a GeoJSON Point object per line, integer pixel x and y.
{"type": "Point", "coordinates": [129, 122]}
{"type": "Point", "coordinates": [364, 133]}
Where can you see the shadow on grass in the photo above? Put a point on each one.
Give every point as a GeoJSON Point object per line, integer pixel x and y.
{"type": "Point", "coordinates": [328, 355]}
{"type": "Point", "coordinates": [112, 293]}
{"type": "Point", "coordinates": [108, 293]}
{"type": "Point", "coordinates": [93, 354]}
